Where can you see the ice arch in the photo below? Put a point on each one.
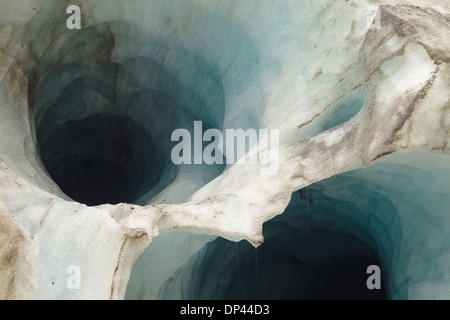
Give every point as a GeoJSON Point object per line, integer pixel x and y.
{"type": "Point", "coordinates": [310, 246]}
{"type": "Point", "coordinates": [341, 93]}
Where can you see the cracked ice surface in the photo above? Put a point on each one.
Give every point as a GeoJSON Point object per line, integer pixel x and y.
{"type": "Point", "coordinates": [342, 95]}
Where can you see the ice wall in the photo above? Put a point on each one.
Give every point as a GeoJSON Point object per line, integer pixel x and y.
{"type": "Point", "coordinates": [98, 105]}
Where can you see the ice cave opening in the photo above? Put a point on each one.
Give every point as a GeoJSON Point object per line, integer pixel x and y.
{"type": "Point", "coordinates": [319, 248]}
{"type": "Point", "coordinates": [103, 123]}
{"type": "Point", "coordinates": [111, 168]}
{"type": "Point", "coordinates": [298, 261]}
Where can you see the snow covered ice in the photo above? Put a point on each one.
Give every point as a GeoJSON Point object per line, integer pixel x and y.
{"type": "Point", "coordinates": [358, 90]}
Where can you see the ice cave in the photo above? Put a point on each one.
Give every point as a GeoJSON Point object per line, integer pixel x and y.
{"type": "Point", "coordinates": [92, 205]}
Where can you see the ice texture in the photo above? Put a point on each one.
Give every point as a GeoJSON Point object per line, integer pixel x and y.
{"type": "Point", "coordinates": [363, 116]}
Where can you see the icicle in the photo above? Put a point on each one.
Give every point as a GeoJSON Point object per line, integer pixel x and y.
{"type": "Point", "coordinates": [309, 236]}
{"type": "Point", "coordinates": [256, 273]}
{"type": "Point", "coordinates": [237, 269]}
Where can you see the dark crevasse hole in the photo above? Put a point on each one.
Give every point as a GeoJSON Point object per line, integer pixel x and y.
{"type": "Point", "coordinates": [103, 125]}
{"type": "Point", "coordinates": [101, 159]}
{"type": "Point", "coordinates": [281, 270]}
{"type": "Point", "coordinates": [287, 266]}
{"type": "Point", "coordinates": [317, 249]}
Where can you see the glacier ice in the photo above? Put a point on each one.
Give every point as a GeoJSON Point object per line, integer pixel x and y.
{"type": "Point", "coordinates": [86, 178]}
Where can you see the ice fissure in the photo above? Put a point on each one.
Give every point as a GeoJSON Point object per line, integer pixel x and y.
{"type": "Point", "coordinates": [87, 180]}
